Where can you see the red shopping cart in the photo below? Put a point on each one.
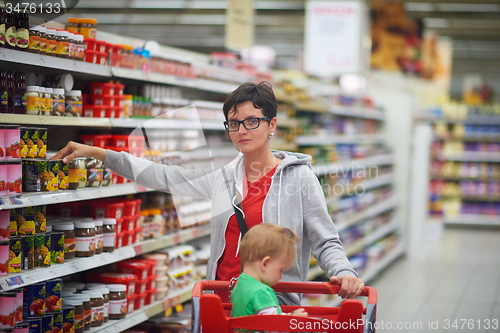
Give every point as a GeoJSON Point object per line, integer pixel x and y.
{"type": "Point", "coordinates": [210, 315]}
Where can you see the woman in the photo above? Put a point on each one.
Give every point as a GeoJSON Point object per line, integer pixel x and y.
{"type": "Point", "coordinates": [273, 186]}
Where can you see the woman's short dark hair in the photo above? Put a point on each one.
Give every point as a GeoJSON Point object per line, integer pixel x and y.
{"type": "Point", "coordinates": [261, 95]}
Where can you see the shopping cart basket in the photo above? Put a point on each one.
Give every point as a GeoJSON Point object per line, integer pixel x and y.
{"type": "Point", "coordinates": [352, 316]}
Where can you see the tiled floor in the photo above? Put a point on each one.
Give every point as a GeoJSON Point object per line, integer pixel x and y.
{"type": "Point", "coordinates": [452, 286]}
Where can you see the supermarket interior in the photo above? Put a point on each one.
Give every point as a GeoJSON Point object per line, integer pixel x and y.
{"type": "Point", "coordinates": [397, 103]}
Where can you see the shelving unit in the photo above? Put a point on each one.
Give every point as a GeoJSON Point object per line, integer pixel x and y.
{"type": "Point", "coordinates": [472, 220]}
{"type": "Point", "coordinates": [327, 168]}
{"type": "Point", "coordinates": [318, 140]}
{"type": "Point", "coordinates": [27, 277]}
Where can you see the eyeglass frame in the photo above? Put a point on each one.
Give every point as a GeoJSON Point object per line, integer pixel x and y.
{"type": "Point", "coordinates": [240, 122]}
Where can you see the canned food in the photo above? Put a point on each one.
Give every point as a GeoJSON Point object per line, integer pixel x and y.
{"type": "Point", "coordinates": [53, 297]}
{"type": "Point", "coordinates": [25, 142]}
{"type": "Point", "coordinates": [41, 142]}
{"type": "Point", "coordinates": [21, 328]}
{"type": "Point", "coordinates": [2, 143]}
{"type": "Point", "coordinates": [31, 143]}
{"type": "Point", "coordinates": [3, 178]}
{"type": "Point", "coordinates": [19, 307]}
{"type": "Point", "coordinates": [8, 306]}
{"type": "Point", "coordinates": [57, 251]}
{"type": "Point", "coordinates": [25, 219]}
{"type": "Point", "coordinates": [34, 300]}
{"type": "Point", "coordinates": [47, 323]}
{"type": "Point", "coordinates": [15, 255]}
{"type": "Point", "coordinates": [28, 248]}
{"type": "Point", "coordinates": [53, 171]}
{"type": "Point", "coordinates": [46, 176]}
{"type": "Point", "coordinates": [13, 223]}
{"type": "Point", "coordinates": [42, 250]}
{"type": "Point", "coordinates": [40, 218]}
{"type": "Point", "coordinates": [4, 257]}
{"type": "Point", "coordinates": [57, 323]}
{"type": "Point", "coordinates": [4, 225]}
{"type": "Point", "coordinates": [68, 319]}
{"type": "Point", "coordinates": [63, 175]}
{"type": "Point", "coordinates": [34, 325]}
{"type": "Point", "coordinates": [12, 137]}
{"type": "Point", "coordinates": [14, 178]}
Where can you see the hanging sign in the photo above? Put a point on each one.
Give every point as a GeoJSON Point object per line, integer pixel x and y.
{"type": "Point", "coordinates": [239, 24]}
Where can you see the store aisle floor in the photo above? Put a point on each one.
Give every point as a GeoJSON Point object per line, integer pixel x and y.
{"type": "Point", "coordinates": [452, 286]}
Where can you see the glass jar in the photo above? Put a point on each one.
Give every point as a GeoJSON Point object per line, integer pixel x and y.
{"type": "Point", "coordinates": [85, 239]}
{"type": "Point", "coordinates": [71, 50]}
{"type": "Point", "coordinates": [33, 98]}
{"type": "Point", "coordinates": [79, 316]}
{"type": "Point", "coordinates": [51, 44]}
{"type": "Point", "coordinates": [79, 47]}
{"type": "Point", "coordinates": [87, 309]}
{"type": "Point", "coordinates": [97, 303]}
{"type": "Point", "coordinates": [109, 233]}
{"type": "Point", "coordinates": [58, 102]}
{"type": "Point", "coordinates": [73, 24]}
{"type": "Point", "coordinates": [69, 238]}
{"type": "Point", "coordinates": [73, 103]}
{"type": "Point", "coordinates": [62, 44]}
{"type": "Point", "coordinates": [88, 28]}
{"type": "Point", "coordinates": [34, 45]}
{"type": "Point", "coordinates": [105, 295]}
{"type": "Point", "coordinates": [117, 301]}
{"type": "Point", "coordinates": [22, 31]}
{"type": "Point", "coordinates": [49, 102]}
{"type": "Point", "coordinates": [42, 40]}
{"type": "Point", "coordinates": [41, 100]}
{"type": "Point", "coordinates": [99, 238]}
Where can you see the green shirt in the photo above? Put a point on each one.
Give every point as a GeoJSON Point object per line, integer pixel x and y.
{"type": "Point", "coordinates": [249, 296]}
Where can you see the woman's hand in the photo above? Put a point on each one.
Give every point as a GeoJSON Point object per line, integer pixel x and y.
{"type": "Point", "coordinates": [299, 313]}
{"type": "Point", "coordinates": [350, 286]}
{"type": "Point", "coordinates": [74, 150]}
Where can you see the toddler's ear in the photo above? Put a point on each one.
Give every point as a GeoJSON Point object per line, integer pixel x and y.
{"type": "Point", "coordinates": [264, 261]}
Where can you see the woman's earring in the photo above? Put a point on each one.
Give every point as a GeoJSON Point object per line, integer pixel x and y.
{"type": "Point", "coordinates": [271, 135]}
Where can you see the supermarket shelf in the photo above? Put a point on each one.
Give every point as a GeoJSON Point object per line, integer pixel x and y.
{"type": "Point", "coordinates": [361, 187]}
{"type": "Point", "coordinates": [311, 107]}
{"type": "Point", "coordinates": [138, 316]}
{"type": "Point", "coordinates": [47, 198]}
{"type": "Point", "coordinates": [27, 277]}
{"type": "Point", "coordinates": [470, 156]}
{"type": "Point", "coordinates": [281, 145]}
{"type": "Point", "coordinates": [488, 198]}
{"type": "Point", "coordinates": [368, 212]}
{"type": "Point", "coordinates": [458, 179]}
{"type": "Point", "coordinates": [24, 119]}
{"type": "Point", "coordinates": [318, 140]}
{"type": "Point", "coordinates": [282, 97]}
{"type": "Point", "coordinates": [472, 220]}
{"type": "Point", "coordinates": [471, 119]}
{"type": "Point", "coordinates": [356, 112]}
{"type": "Point", "coordinates": [288, 122]}
{"type": "Point", "coordinates": [359, 245]}
{"type": "Point", "coordinates": [323, 169]}
{"type": "Point", "coordinates": [373, 271]}
{"type": "Point", "coordinates": [49, 62]}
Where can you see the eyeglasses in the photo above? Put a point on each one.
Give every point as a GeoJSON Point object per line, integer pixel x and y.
{"type": "Point", "coordinates": [249, 124]}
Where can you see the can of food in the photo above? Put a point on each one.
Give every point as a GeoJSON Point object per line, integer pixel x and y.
{"type": "Point", "coordinates": [53, 171]}
{"type": "Point", "coordinates": [41, 142]}
{"type": "Point", "coordinates": [40, 218]}
{"type": "Point", "coordinates": [68, 319]}
{"type": "Point", "coordinates": [106, 177]}
{"type": "Point", "coordinates": [57, 251]}
{"type": "Point", "coordinates": [94, 172]}
{"type": "Point", "coordinates": [53, 296]}
{"type": "Point", "coordinates": [42, 250]}
{"type": "Point", "coordinates": [31, 176]}
{"type": "Point", "coordinates": [14, 178]}
{"type": "Point", "coordinates": [57, 325]}
{"type": "Point", "coordinates": [77, 173]}
{"type": "Point", "coordinates": [3, 178]}
{"type": "Point", "coordinates": [28, 248]}
{"type": "Point", "coordinates": [22, 328]}
{"type": "Point", "coordinates": [4, 257]}
{"type": "Point", "coordinates": [2, 143]}
{"type": "Point", "coordinates": [15, 255]}
{"type": "Point", "coordinates": [46, 176]}
{"type": "Point", "coordinates": [34, 300]}
{"type": "Point", "coordinates": [19, 306]}
{"type": "Point", "coordinates": [31, 142]}
{"type": "Point", "coordinates": [25, 219]}
{"type": "Point", "coordinates": [13, 223]}
{"type": "Point", "coordinates": [34, 325]}
{"type": "Point", "coordinates": [12, 135]}
{"type": "Point", "coordinates": [63, 175]}
{"type": "Point", "coordinates": [4, 225]}
{"type": "Point", "coordinates": [25, 142]}
{"type": "Point", "coordinates": [47, 323]}
{"type": "Point", "coordinates": [8, 303]}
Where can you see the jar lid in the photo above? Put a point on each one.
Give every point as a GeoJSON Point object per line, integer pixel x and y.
{"type": "Point", "coordinates": [72, 301]}
{"type": "Point", "coordinates": [35, 28]}
{"type": "Point", "coordinates": [116, 287]}
{"type": "Point", "coordinates": [32, 88]}
{"type": "Point", "coordinates": [67, 293]}
{"type": "Point", "coordinates": [73, 93]}
{"type": "Point", "coordinates": [117, 277]}
{"type": "Point", "coordinates": [78, 38]}
{"type": "Point", "coordinates": [103, 290]}
{"type": "Point", "coordinates": [94, 284]}
{"type": "Point", "coordinates": [74, 20]}
{"type": "Point", "coordinates": [63, 226]}
{"type": "Point", "coordinates": [48, 228]}
{"type": "Point", "coordinates": [42, 29]}
{"type": "Point", "coordinates": [86, 219]}
{"type": "Point", "coordinates": [49, 90]}
{"type": "Point", "coordinates": [66, 82]}
{"type": "Point", "coordinates": [58, 91]}
{"type": "Point", "coordinates": [108, 221]}
{"type": "Point", "coordinates": [83, 297]}
{"type": "Point", "coordinates": [93, 293]}
{"type": "Point", "coordinates": [89, 21]}
{"type": "Point", "coordinates": [84, 225]}
{"type": "Point", "coordinates": [62, 33]}
{"type": "Point", "coordinates": [51, 32]}
{"type": "Point", "coordinates": [41, 89]}
{"type": "Point", "coordinates": [98, 223]}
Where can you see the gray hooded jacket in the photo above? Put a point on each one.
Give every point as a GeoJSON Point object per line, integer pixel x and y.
{"type": "Point", "coordinates": [295, 200]}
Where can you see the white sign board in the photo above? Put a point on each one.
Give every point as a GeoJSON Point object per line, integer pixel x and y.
{"type": "Point", "coordinates": [239, 24]}
{"type": "Point", "coordinates": [333, 35]}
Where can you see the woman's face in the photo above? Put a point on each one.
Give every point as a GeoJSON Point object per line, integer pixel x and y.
{"type": "Point", "coordinates": [248, 141]}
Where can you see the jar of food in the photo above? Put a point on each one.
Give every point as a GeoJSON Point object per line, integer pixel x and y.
{"type": "Point", "coordinates": [79, 317]}
{"type": "Point", "coordinates": [51, 45]}
{"type": "Point", "coordinates": [99, 237]}
{"type": "Point", "coordinates": [87, 309]}
{"type": "Point", "coordinates": [77, 173]}
{"type": "Point", "coordinates": [97, 303]}
{"type": "Point", "coordinates": [73, 24]}
{"type": "Point", "coordinates": [62, 45]}
{"type": "Point", "coordinates": [73, 103]}
{"type": "Point", "coordinates": [43, 40]}
{"type": "Point", "coordinates": [33, 99]}
{"type": "Point", "coordinates": [69, 238]}
{"type": "Point", "coordinates": [117, 301]}
{"type": "Point", "coordinates": [105, 295]}
{"type": "Point", "coordinates": [58, 102]}
{"type": "Point", "coordinates": [128, 280]}
{"type": "Point", "coordinates": [85, 239]}
{"type": "Point", "coordinates": [79, 47]}
{"type": "Point", "coordinates": [109, 233]}
{"type": "Point", "coordinates": [41, 93]}
{"type": "Point", "coordinates": [34, 45]}
{"type": "Point", "coordinates": [22, 31]}
{"type": "Point", "coordinates": [49, 101]}
{"type": "Point", "coordinates": [88, 28]}
{"type": "Point", "coordinates": [71, 50]}
{"type": "Point", "coordinates": [78, 286]}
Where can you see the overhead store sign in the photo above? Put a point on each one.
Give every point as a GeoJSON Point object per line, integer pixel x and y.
{"type": "Point", "coordinates": [333, 34]}
{"type": "Point", "coordinates": [239, 24]}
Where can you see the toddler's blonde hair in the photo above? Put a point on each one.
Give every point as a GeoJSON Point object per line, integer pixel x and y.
{"type": "Point", "coordinates": [267, 239]}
